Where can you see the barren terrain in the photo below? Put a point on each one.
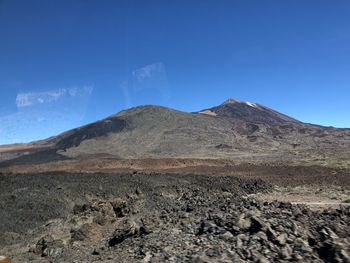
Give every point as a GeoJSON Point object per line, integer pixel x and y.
{"type": "Point", "coordinates": [234, 183]}
{"type": "Point", "coordinates": [175, 211]}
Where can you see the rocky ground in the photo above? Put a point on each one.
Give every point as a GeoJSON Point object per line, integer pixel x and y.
{"type": "Point", "coordinates": [62, 217]}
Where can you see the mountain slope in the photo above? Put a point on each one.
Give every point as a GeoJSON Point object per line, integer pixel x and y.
{"type": "Point", "coordinates": [251, 112]}
{"type": "Point", "coordinates": [151, 131]}
{"type": "Point", "coordinates": [232, 130]}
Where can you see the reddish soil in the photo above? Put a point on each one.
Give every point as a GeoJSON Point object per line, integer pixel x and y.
{"type": "Point", "coordinates": [277, 174]}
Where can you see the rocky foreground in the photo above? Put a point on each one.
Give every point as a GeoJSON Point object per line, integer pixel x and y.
{"type": "Point", "coordinates": [161, 218]}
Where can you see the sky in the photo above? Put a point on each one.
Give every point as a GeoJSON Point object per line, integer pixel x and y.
{"type": "Point", "coordinates": [65, 63]}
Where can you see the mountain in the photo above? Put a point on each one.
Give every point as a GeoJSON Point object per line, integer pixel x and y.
{"type": "Point", "coordinates": [233, 130]}
{"type": "Point", "coordinates": [250, 112]}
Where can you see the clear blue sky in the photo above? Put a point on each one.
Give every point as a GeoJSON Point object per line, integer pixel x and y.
{"type": "Point", "coordinates": [67, 63]}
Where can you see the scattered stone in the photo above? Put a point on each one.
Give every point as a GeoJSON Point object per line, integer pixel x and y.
{"type": "Point", "coordinates": [227, 236]}
{"type": "Point", "coordinates": [286, 252]}
{"type": "Point", "coordinates": [96, 252]}
{"type": "Point", "coordinates": [80, 234]}
{"type": "Point", "coordinates": [227, 194]}
{"type": "Point", "coordinates": [244, 223]}
{"type": "Point", "coordinates": [81, 205]}
{"type": "Point", "coordinates": [47, 246]}
{"type": "Point", "coordinates": [257, 225]}
{"type": "Point", "coordinates": [100, 219]}
{"type": "Point", "coordinates": [90, 231]}
{"type": "Point", "coordinates": [120, 207]}
{"type": "Point", "coordinates": [282, 239]}
{"type": "Point", "coordinates": [187, 223]}
{"type": "Point", "coordinates": [128, 228]}
{"type": "Point", "coordinates": [138, 191]}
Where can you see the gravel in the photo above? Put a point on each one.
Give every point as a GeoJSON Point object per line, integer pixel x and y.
{"type": "Point", "coordinates": [161, 218]}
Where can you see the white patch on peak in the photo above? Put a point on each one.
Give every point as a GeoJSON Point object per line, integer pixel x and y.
{"type": "Point", "coordinates": [252, 105]}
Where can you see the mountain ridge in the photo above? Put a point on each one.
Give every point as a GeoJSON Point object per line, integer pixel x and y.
{"type": "Point", "coordinates": [231, 130]}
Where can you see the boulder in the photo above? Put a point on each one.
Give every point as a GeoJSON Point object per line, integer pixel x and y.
{"type": "Point", "coordinates": [127, 229]}
{"type": "Point", "coordinates": [120, 207]}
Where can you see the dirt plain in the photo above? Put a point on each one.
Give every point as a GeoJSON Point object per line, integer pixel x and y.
{"type": "Point", "coordinates": [276, 173]}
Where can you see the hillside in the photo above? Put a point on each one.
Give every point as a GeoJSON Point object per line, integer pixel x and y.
{"type": "Point", "coordinates": [233, 130]}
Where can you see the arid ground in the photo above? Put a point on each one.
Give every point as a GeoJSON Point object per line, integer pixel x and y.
{"type": "Point", "coordinates": [238, 182]}
{"type": "Point", "coordinates": [174, 210]}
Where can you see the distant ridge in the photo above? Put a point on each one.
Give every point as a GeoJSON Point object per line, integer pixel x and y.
{"type": "Point", "coordinates": [232, 130]}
